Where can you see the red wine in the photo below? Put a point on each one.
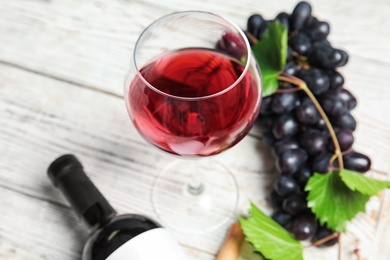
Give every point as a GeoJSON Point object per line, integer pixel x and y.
{"type": "Point", "coordinates": [190, 107]}
{"type": "Point", "coordinates": [124, 237]}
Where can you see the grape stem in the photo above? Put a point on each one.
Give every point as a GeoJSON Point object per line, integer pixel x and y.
{"type": "Point", "coordinates": [251, 37]}
{"type": "Point", "coordinates": [302, 85]}
{"type": "Point", "coordinates": [330, 163]}
{"type": "Point", "coordinates": [323, 240]}
{"type": "Point", "coordinates": [288, 90]}
{"type": "Point", "coordinates": [337, 154]}
{"type": "Point", "coordinates": [339, 242]}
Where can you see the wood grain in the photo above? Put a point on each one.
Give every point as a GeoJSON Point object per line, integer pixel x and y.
{"type": "Point", "coordinates": [119, 162]}
{"type": "Point", "coordinates": [62, 65]}
{"type": "Point", "coordinates": [96, 128]}
{"type": "Point", "coordinates": [90, 43]}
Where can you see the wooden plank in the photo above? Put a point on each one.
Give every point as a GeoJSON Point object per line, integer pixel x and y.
{"type": "Point", "coordinates": [348, 21]}
{"type": "Point", "coordinates": [42, 118]}
{"type": "Point", "coordinates": [90, 43]}
{"type": "Point", "coordinates": [368, 83]}
{"type": "Point", "coordinates": [24, 237]}
{"type": "Point", "coordinates": [36, 229]}
{"type": "Point", "coordinates": [381, 249]}
{"type": "Point", "coordinates": [95, 127]}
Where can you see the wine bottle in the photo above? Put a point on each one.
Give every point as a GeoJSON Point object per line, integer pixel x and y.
{"type": "Point", "coordinates": [112, 237]}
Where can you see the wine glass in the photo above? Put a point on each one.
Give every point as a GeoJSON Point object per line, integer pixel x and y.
{"type": "Point", "coordinates": [193, 90]}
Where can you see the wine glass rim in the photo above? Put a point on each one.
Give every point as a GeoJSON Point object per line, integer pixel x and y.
{"type": "Point", "coordinates": [235, 83]}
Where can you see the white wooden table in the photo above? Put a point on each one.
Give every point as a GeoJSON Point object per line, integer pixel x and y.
{"type": "Point", "coordinates": [62, 64]}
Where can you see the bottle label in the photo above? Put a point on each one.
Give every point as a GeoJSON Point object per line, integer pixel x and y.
{"type": "Point", "coordinates": [153, 244]}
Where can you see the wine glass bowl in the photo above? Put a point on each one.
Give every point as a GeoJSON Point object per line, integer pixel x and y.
{"type": "Point", "coordinates": [193, 90]}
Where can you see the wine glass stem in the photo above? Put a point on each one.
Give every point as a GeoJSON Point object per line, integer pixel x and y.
{"type": "Point", "coordinates": [195, 185]}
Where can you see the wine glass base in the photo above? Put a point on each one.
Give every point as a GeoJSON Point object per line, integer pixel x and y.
{"type": "Point", "coordinates": [195, 209]}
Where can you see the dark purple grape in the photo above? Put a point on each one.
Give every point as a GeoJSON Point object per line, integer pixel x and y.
{"type": "Point", "coordinates": [284, 144]}
{"type": "Point", "coordinates": [357, 162]}
{"type": "Point", "coordinates": [265, 108]}
{"type": "Point", "coordinates": [289, 161]}
{"type": "Point", "coordinates": [320, 125]}
{"type": "Point", "coordinates": [348, 98]}
{"type": "Point", "coordinates": [322, 232]}
{"type": "Point", "coordinates": [285, 126]}
{"type": "Point", "coordinates": [309, 22]}
{"type": "Point", "coordinates": [302, 176]}
{"type": "Point", "coordinates": [291, 68]}
{"type": "Point", "coordinates": [313, 141]}
{"type": "Point", "coordinates": [300, 43]}
{"type": "Point", "coordinates": [285, 185]}
{"type": "Point", "coordinates": [233, 45]}
{"type": "Point", "coordinates": [332, 104]}
{"type": "Point", "coordinates": [345, 138]}
{"type": "Point", "coordinates": [300, 15]}
{"type": "Point", "coordinates": [289, 54]}
{"type": "Point", "coordinates": [304, 225]}
{"type": "Point", "coordinates": [320, 54]}
{"type": "Point", "coordinates": [317, 80]}
{"type": "Point", "coordinates": [345, 121]}
{"type": "Point", "coordinates": [269, 138]}
{"type": "Point", "coordinates": [320, 163]}
{"type": "Point", "coordinates": [283, 18]}
{"type": "Point", "coordinates": [336, 80]}
{"type": "Point", "coordinates": [282, 218]}
{"type": "Point", "coordinates": [324, 56]}
{"type": "Point", "coordinates": [256, 25]}
{"type": "Point", "coordinates": [266, 122]}
{"type": "Point", "coordinates": [322, 42]}
{"type": "Point", "coordinates": [293, 204]}
{"type": "Point", "coordinates": [318, 31]}
{"type": "Point", "coordinates": [275, 199]}
{"type": "Point", "coordinates": [307, 113]}
{"type": "Point", "coordinates": [284, 102]}
{"type": "Point", "coordinates": [344, 58]}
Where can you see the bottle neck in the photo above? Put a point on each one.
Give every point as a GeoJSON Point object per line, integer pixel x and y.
{"type": "Point", "coordinates": [67, 174]}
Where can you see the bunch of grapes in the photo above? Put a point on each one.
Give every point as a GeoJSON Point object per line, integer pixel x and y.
{"type": "Point", "coordinates": [293, 126]}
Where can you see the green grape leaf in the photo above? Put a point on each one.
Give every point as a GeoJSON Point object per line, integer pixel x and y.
{"type": "Point", "coordinates": [365, 185]}
{"type": "Point", "coordinates": [271, 55]}
{"type": "Point", "coordinates": [332, 201]}
{"type": "Point", "coordinates": [269, 238]}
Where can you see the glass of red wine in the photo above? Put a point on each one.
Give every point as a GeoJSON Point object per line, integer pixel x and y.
{"type": "Point", "coordinates": [193, 90]}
